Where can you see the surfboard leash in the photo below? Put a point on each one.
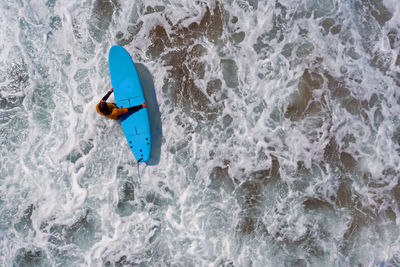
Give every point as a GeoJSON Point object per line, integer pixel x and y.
{"type": "Point", "coordinates": [138, 170]}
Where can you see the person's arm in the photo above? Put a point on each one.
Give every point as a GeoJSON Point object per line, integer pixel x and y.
{"type": "Point", "coordinates": [121, 111]}
{"type": "Point", "coordinates": [136, 108]}
{"type": "Point", "coordinates": [107, 95]}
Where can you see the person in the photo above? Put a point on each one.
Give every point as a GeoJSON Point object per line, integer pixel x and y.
{"type": "Point", "coordinates": [111, 111]}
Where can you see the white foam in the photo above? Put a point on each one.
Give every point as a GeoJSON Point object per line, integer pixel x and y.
{"type": "Point", "coordinates": [195, 207]}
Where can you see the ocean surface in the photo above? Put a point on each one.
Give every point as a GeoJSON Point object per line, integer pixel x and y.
{"type": "Point", "coordinates": [278, 134]}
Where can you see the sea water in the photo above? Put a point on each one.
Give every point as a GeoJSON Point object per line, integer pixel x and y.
{"type": "Point", "coordinates": [280, 139]}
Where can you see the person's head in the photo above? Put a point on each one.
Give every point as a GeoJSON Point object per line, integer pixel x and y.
{"type": "Point", "coordinates": [104, 108]}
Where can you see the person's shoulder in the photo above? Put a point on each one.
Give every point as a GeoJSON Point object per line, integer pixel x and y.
{"type": "Point", "coordinates": [111, 105]}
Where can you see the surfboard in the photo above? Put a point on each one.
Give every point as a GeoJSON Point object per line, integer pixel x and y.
{"type": "Point", "coordinates": [128, 93]}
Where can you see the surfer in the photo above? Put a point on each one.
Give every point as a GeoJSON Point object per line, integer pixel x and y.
{"type": "Point", "coordinates": [111, 111]}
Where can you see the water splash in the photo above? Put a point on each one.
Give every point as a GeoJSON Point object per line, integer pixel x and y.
{"type": "Point", "coordinates": [279, 141]}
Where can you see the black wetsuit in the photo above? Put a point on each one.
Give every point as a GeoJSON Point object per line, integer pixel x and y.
{"type": "Point", "coordinates": [134, 108]}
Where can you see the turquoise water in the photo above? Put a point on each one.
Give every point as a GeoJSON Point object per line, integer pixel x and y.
{"type": "Point", "coordinates": [280, 134]}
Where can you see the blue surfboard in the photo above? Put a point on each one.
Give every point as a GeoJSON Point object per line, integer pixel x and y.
{"type": "Point", "coordinates": [128, 93]}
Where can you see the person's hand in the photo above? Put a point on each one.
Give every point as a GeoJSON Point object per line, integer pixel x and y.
{"type": "Point", "coordinates": [111, 90]}
{"type": "Point", "coordinates": [144, 105]}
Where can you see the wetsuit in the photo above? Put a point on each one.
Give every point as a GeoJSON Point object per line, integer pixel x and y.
{"type": "Point", "coordinates": [115, 111]}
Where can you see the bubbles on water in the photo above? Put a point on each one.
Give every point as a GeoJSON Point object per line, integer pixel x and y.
{"type": "Point", "coordinates": [304, 50]}
{"type": "Point", "coordinates": [31, 257]}
{"type": "Point", "coordinates": [382, 61]}
{"type": "Point", "coordinates": [379, 11]}
{"type": "Point", "coordinates": [16, 71]}
{"type": "Point", "coordinates": [305, 101]}
{"type": "Point", "coordinates": [220, 179]}
{"type": "Point", "coordinates": [238, 37]}
{"type": "Point", "coordinates": [85, 89]}
{"type": "Point", "coordinates": [181, 51]}
{"type": "Point", "coordinates": [281, 145]}
{"type": "Point", "coordinates": [229, 72]}
{"type": "Point", "coordinates": [250, 199]}
{"type": "Point", "coordinates": [25, 223]}
{"type": "Point", "coordinates": [101, 17]}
